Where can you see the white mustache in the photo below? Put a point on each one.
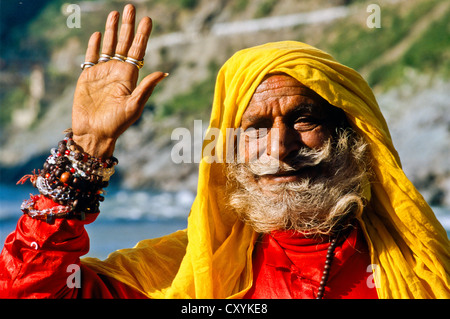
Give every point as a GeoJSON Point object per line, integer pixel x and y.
{"type": "Point", "coordinates": [303, 158]}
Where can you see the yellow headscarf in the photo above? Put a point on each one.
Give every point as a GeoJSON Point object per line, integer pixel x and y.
{"type": "Point", "coordinates": [213, 257]}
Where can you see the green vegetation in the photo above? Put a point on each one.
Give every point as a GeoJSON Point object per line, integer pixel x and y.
{"type": "Point", "coordinates": [43, 35]}
{"type": "Point", "coordinates": [357, 46]}
{"type": "Point", "coordinates": [265, 8]}
{"type": "Point", "coordinates": [188, 4]}
{"type": "Point", "coordinates": [194, 103]}
{"type": "Point", "coordinates": [239, 5]}
{"type": "Point", "coordinates": [432, 51]}
{"type": "Point", "coordinates": [180, 4]}
{"type": "Point", "coordinates": [428, 54]}
{"type": "Point", "coordinates": [14, 98]}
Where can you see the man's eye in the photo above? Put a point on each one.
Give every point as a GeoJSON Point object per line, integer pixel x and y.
{"type": "Point", "coordinates": [306, 124]}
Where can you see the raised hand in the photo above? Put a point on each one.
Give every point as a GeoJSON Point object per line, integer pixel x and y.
{"type": "Point", "coordinates": [107, 98]}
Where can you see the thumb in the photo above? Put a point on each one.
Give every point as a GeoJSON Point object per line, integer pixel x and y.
{"type": "Point", "coordinates": [143, 91]}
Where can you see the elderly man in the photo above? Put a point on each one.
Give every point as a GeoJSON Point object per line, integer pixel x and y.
{"type": "Point", "coordinates": [314, 204]}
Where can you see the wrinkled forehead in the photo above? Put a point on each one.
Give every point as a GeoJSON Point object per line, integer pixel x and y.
{"type": "Point", "coordinates": [275, 84]}
{"type": "Point", "coordinates": [279, 80]}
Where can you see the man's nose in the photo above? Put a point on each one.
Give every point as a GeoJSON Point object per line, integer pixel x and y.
{"type": "Point", "coordinates": [282, 141]}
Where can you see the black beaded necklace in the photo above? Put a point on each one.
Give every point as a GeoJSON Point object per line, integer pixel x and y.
{"type": "Point", "coordinates": [326, 269]}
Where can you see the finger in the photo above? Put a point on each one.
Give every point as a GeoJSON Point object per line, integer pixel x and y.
{"type": "Point", "coordinates": [110, 37]}
{"type": "Point", "coordinates": [143, 91]}
{"type": "Point", "coordinates": [93, 48]}
{"type": "Point", "coordinates": [126, 30]}
{"type": "Point", "coordinates": [139, 45]}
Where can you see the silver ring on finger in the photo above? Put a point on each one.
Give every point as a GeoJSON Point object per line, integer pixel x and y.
{"type": "Point", "coordinates": [119, 57]}
{"type": "Point", "coordinates": [138, 63]}
{"type": "Point", "coordinates": [86, 65]}
{"type": "Point", "coordinates": [104, 57]}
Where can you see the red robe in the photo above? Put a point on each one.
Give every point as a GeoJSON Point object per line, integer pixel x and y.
{"type": "Point", "coordinates": [38, 261]}
{"type": "Point", "coordinates": [289, 265]}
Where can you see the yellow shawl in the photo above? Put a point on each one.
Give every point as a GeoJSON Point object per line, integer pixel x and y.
{"type": "Point", "coordinates": [212, 258]}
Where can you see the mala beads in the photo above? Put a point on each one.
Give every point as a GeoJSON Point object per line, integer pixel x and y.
{"type": "Point", "coordinates": [326, 270]}
{"type": "Point", "coordinates": [71, 178]}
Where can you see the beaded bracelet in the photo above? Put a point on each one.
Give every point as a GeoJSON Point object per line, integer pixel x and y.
{"type": "Point", "coordinates": [48, 214]}
{"type": "Point", "coordinates": [71, 178]}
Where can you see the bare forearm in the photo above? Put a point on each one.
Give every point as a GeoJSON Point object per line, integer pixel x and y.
{"type": "Point", "coordinates": [95, 146]}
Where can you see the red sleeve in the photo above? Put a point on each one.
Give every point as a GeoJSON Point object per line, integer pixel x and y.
{"type": "Point", "coordinates": [41, 260]}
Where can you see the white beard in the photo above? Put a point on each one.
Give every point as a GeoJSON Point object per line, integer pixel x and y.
{"type": "Point", "coordinates": [314, 205]}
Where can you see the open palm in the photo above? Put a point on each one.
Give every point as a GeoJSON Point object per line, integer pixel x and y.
{"type": "Point", "coordinates": [107, 98]}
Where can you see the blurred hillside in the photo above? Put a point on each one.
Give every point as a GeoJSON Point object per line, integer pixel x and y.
{"type": "Point", "coordinates": [406, 61]}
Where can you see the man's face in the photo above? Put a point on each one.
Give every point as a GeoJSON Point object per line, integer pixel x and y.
{"type": "Point", "coordinates": [298, 116]}
{"type": "Point", "coordinates": [310, 176]}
